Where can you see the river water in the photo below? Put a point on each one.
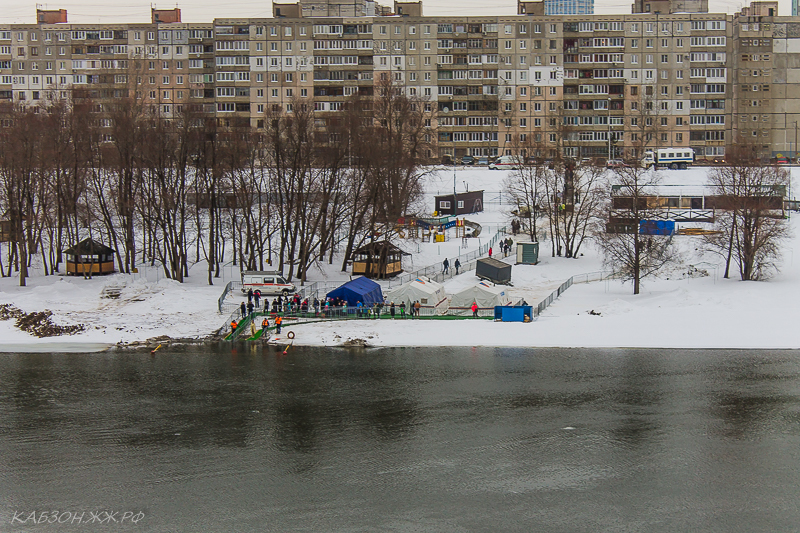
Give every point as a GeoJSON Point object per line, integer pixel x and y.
{"type": "Point", "coordinates": [210, 438]}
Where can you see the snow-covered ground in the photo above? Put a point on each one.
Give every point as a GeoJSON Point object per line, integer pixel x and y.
{"type": "Point", "coordinates": [673, 311]}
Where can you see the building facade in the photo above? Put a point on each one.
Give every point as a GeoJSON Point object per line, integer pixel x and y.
{"type": "Point", "coordinates": [568, 7]}
{"type": "Point", "coordinates": [603, 86]}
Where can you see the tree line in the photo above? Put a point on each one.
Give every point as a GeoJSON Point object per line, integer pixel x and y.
{"type": "Point", "coordinates": [193, 187]}
{"type": "Point", "coordinates": [585, 203]}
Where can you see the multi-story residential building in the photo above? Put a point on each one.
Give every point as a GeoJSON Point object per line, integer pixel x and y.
{"type": "Point", "coordinates": [602, 86]}
{"type": "Point", "coordinates": [568, 7]}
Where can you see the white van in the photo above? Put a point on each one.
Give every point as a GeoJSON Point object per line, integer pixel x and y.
{"type": "Point", "coordinates": [508, 162]}
{"type": "Point", "coordinates": [269, 282]}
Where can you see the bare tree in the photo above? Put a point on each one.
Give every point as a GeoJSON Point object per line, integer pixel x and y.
{"type": "Point", "coordinates": [626, 250]}
{"type": "Point", "coordinates": [752, 225]}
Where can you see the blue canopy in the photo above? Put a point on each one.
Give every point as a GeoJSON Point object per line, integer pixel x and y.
{"type": "Point", "coordinates": [361, 289]}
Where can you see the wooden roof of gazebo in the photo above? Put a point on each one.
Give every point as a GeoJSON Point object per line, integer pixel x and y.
{"type": "Point", "coordinates": [89, 247]}
{"type": "Point", "coordinates": [378, 248]}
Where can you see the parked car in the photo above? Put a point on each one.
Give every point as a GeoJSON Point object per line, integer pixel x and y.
{"type": "Point", "coordinates": [782, 160]}
{"type": "Point", "coordinates": [616, 163]}
{"type": "Point", "coordinates": [483, 161]}
{"type": "Point", "coordinates": [467, 160]}
{"type": "Point", "coordinates": [509, 162]}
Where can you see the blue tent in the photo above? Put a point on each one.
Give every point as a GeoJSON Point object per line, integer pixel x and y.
{"type": "Point", "coordinates": [361, 289]}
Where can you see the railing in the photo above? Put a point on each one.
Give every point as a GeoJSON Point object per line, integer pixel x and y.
{"type": "Point", "coordinates": [228, 307]}
{"type": "Point", "coordinates": [434, 272]}
{"type": "Point", "coordinates": [577, 278]}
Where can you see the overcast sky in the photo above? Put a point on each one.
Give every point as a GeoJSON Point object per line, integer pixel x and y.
{"type": "Point", "coordinates": [97, 11]}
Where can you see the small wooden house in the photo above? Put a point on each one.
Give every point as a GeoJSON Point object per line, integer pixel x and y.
{"type": "Point", "coordinates": [378, 260]}
{"type": "Point", "coordinates": [89, 256]}
{"type": "Point", "coordinates": [466, 203]}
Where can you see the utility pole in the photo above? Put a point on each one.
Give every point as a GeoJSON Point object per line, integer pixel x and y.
{"type": "Point", "coordinates": [455, 212]}
{"type": "Point", "coordinates": [608, 112]}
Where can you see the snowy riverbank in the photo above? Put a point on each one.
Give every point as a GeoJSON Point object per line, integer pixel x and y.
{"type": "Point", "coordinates": [682, 311]}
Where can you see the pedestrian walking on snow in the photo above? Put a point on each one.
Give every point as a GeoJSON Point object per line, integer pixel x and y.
{"type": "Point", "coordinates": [446, 265]}
{"type": "Point", "coordinates": [457, 265]}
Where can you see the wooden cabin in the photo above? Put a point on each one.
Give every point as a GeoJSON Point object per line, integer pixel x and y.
{"type": "Point", "coordinates": [466, 203]}
{"type": "Point", "coordinates": [89, 256]}
{"type": "Point", "coordinates": [378, 260]}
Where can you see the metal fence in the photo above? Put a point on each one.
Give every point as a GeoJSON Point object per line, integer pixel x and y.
{"type": "Point", "coordinates": [434, 272]}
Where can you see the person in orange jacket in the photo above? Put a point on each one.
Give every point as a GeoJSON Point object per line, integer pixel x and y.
{"type": "Point", "coordinates": [265, 323]}
{"type": "Point", "coordinates": [234, 325]}
{"type": "Point", "coordinates": [278, 322]}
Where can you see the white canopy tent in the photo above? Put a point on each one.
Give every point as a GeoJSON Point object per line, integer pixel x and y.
{"type": "Point", "coordinates": [431, 295]}
{"type": "Point", "coordinates": [485, 294]}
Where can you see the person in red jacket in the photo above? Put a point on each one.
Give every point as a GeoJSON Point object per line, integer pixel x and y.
{"type": "Point", "coordinates": [475, 309]}
{"type": "Point", "coordinates": [490, 252]}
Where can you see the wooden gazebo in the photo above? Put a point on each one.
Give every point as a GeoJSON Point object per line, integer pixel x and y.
{"type": "Point", "coordinates": [378, 260]}
{"type": "Point", "coordinates": [89, 256]}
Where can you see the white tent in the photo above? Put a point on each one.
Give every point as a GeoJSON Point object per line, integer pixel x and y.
{"type": "Point", "coordinates": [431, 295]}
{"type": "Point", "coordinates": [487, 295]}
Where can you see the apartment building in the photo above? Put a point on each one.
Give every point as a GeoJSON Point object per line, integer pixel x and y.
{"type": "Point", "coordinates": [599, 86]}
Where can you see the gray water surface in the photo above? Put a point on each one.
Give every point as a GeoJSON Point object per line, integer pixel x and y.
{"type": "Point", "coordinates": [210, 439]}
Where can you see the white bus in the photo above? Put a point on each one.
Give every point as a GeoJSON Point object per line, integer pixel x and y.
{"type": "Point", "coordinates": [669, 157]}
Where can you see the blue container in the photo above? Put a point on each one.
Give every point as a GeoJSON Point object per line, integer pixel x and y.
{"type": "Point", "coordinates": [508, 313]}
{"type": "Point", "coordinates": [656, 227]}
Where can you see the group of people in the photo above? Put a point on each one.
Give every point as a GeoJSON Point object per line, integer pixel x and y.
{"type": "Point", "coordinates": [327, 308]}
{"type": "Point", "coordinates": [505, 246]}
{"type": "Point", "coordinates": [446, 265]}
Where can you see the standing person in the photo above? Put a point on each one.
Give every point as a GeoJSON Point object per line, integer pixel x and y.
{"type": "Point", "coordinates": [257, 298]}
{"type": "Point", "coordinates": [249, 295]}
{"type": "Point", "coordinates": [243, 308]}
{"type": "Point", "coordinates": [252, 328]}
{"type": "Point", "coordinates": [391, 307]}
{"type": "Point", "coordinates": [264, 324]}
{"type": "Point", "coordinates": [457, 264]}
{"type": "Point", "coordinates": [316, 306]}
{"type": "Point", "coordinates": [490, 252]}
{"type": "Point", "coordinates": [234, 325]}
{"type": "Point", "coordinates": [359, 307]}
{"type": "Point", "coordinates": [446, 265]}
{"type": "Point", "coordinates": [416, 307]}
{"type": "Point", "coordinates": [474, 309]}
{"type": "Point", "coordinates": [402, 309]}
{"type": "Point", "coordinates": [278, 322]}
{"type": "Point", "coordinates": [250, 309]}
